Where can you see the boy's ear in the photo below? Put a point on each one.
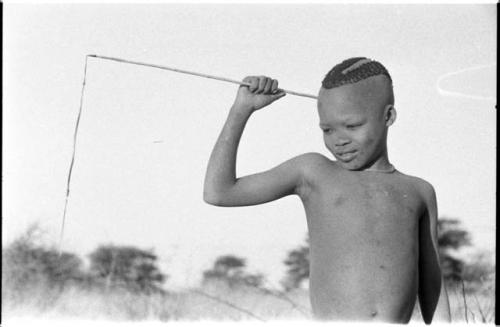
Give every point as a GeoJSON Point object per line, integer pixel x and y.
{"type": "Point", "coordinates": [390, 115]}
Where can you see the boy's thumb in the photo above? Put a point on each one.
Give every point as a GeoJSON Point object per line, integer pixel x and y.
{"type": "Point", "coordinates": [278, 95]}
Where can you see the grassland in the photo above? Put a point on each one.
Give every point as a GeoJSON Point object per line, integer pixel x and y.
{"type": "Point", "coordinates": [215, 301]}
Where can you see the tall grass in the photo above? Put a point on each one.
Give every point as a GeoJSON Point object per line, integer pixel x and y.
{"type": "Point", "coordinates": [214, 301]}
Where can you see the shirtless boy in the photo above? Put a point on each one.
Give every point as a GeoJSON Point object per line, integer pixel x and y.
{"type": "Point", "coordinates": [372, 229]}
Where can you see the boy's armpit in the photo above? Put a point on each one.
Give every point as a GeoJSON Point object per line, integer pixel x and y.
{"type": "Point", "coordinates": [309, 164]}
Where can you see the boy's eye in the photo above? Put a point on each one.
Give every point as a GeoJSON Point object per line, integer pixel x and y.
{"type": "Point", "coordinates": [327, 130]}
{"type": "Point", "coordinates": [352, 126]}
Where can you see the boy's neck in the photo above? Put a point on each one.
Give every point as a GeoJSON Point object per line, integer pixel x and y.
{"type": "Point", "coordinates": [382, 164]}
{"type": "Point", "coordinates": [389, 169]}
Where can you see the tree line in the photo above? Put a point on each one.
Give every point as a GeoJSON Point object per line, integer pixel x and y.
{"type": "Point", "coordinates": [28, 264]}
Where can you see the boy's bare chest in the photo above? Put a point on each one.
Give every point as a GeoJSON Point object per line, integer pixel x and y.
{"type": "Point", "coordinates": [362, 200]}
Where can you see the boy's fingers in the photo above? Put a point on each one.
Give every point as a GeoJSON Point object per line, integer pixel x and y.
{"type": "Point", "coordinates": [274, 86]}
{"type": "Point", "coordinates": [278, 95]}
{"type": "Point", "coordinates": [247, 79]}
{"type": "Point", "coordinates": [262, 84]}
{"type": "Point", "coordinates": [254, 83]}
{"type": "Point", "coordinates": [269, 85]}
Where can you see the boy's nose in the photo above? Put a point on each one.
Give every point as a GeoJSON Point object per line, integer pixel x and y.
{"type": "Point", "coordinates": [341, 142]}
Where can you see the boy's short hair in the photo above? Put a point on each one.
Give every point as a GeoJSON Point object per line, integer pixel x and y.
{"type": "Point", "coordinates": [353, 70]}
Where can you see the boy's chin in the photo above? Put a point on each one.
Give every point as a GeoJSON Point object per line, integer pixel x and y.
{"type": "Point", "coordinates": [351, 165]}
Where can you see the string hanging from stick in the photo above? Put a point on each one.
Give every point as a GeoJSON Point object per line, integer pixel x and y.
{"type": "Point", "coordinates": [75, 134]}
{"type": "Point", "coordinates": [177, 70]}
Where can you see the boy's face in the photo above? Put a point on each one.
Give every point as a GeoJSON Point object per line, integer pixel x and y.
{"type": "Point", "coordinates": [354, 119]}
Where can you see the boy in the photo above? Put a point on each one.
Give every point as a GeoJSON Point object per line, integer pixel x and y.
{"type": "Point", "coordinates": [372, 229]}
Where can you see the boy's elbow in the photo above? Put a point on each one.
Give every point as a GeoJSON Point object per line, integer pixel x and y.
{"type": "Point", "coordinates": [210, 199]}
{"type": "Point", "coordinates": [213, 198]}
{"type": "Point", "coordinates": [218, 194]}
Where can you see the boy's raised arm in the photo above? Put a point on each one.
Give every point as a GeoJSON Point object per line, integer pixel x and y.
{"type": "Point", "coordinates": [221, 187]}
{"type": "Point", "coordinates": [432, 294]}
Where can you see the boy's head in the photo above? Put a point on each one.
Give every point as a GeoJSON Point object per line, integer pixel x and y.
{"type": "Point", "coordinates": [356, 107]}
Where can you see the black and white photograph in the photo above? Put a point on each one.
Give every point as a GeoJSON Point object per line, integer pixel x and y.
{"type": "Point", "coordinates": [280, 162]}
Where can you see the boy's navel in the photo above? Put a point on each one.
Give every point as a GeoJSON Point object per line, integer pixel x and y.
{"type": "Point", "coordinates": [339, 200]}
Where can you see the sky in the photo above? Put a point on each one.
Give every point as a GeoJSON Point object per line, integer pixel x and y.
{"type": "Point", "coordinates": [145, 134]}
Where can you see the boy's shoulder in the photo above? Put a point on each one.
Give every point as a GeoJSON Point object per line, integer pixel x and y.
{"type": "Point", "coordinates": [313, 158]}
{"type": "Point", "coordinates": [425, 192]}
{"type": "Point", "coordinates": [424, 187]}
{"type": "Point", "coordinates": [312, 162]}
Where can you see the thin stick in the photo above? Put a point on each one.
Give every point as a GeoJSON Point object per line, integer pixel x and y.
{"type": "Point", "coordinates": [177, 70]}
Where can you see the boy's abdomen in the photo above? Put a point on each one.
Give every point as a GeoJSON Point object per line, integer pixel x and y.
{"type": "Point", "coordinates": [363, 289]}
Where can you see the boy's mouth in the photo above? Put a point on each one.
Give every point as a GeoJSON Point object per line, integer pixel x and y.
{"type": "Point", "coordinates": [346, 156]}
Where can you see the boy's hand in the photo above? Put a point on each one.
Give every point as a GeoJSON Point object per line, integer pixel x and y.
{"type": "Point", "coordinates": [261, 92]}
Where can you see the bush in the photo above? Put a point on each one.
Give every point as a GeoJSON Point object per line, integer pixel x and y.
{"type": "Point", "coordinates": [126, 267]}
{"type": "Point", "coordinates": [30, 266]}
